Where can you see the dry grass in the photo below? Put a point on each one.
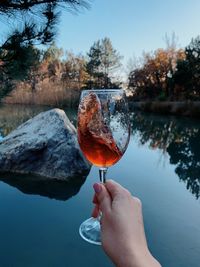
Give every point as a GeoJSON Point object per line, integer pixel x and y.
{"type": "Point", "coordinates": [11, 116]}
{"type": "Point", "coordinates": [46, 93]}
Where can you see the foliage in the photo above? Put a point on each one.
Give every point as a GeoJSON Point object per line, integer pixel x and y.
{"type": "Point", "coordinates": [103, 59]}
{"type": "Point", "coordinates": [163, 75]}
{"type": "Point", "coordinates": [152, 80]}
{"type": "Point", "coordinates": [187, 75]}
{"type": "Point", "coordinates": [18, 59]}
{"type": "Point", "coordinates": [57, 80]}
{"type": "Point", "coordinates": [39, 17]}
{"type": "Point", "coordinates": [56, 76]}
{"type": "Point", "coordinates": [35, 22]}
{"type": "Point", "coordinates": [170, 74]}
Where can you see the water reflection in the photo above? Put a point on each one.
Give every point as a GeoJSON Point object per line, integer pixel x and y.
{"type": "Point", "coordinates": [179, 137]}
{"type": "Point", "coordinates": [60, 190]}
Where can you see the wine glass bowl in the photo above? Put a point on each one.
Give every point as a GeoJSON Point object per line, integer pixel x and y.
{"type": "Point", "coordinates": [103, 136]}
{"type": "Point", "coordinates": [103, 126]}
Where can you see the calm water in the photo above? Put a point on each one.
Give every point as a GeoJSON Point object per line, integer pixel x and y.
{"type": "Point", "coordinates": [161, 166]}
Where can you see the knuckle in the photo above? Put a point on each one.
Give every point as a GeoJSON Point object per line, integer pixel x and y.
{"type": "Point", "coordinates": [126, 193]}
{"type": "Point", "coordinates": [137, 201]}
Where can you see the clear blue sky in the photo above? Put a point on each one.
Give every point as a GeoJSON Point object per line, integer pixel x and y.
{"type": "Point", "coordinates": [133, 26]}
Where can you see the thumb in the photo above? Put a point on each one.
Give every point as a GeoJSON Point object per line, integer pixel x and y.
{"type": "Point", "coordinates": [103, 197]}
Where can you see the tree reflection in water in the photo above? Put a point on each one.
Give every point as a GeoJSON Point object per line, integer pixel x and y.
{"type": "Point", "coordinates": [179, 137]}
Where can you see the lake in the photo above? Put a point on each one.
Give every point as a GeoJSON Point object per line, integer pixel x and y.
{"type": "Point", "coordinates": [161, 166]}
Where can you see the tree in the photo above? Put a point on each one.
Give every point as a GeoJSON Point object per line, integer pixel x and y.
{"type": "Point", "coordinates": [187, 73]}
{"type": "Point", "coordinates": [17, 62]}
{"type": "Point", "coordinates": [38, 20]}
{"type": "Point", "coordinates": [93, 66]}
{"type": "Point", "coordinates": [110, 59]}
{"type": "Point", "coordinates": [103, 60]}
{"type": "Point", "coordinates": [152, 79]}
{"type": "Point", "coordinates": [57, 80]}
{"type": "Point", "coordinates": [39, 16]}
{"type": "Point", "coordinates": [74, 71]}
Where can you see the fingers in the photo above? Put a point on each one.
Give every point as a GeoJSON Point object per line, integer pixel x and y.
{"type": "Point", "coordinates": [103, 198]}
{"type": "Point", "coordinates": [95, 200]}
{"type": "Point", "coordinates": [114, 188]}
{"type": "Point", "coordinates": [105, 194]}
{"type": "Point", "coordinates": [95, 212]}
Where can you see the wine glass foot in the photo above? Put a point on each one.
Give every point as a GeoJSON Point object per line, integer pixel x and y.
{"type": "Point", "coordinates": [90, 231]}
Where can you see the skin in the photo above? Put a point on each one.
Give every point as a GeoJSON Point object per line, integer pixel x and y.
{"type": "Point", "coordinates": [122, 228]}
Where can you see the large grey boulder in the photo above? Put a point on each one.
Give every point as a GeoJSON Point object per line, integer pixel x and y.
{"type": "Point", "coordinates": [45, 145]}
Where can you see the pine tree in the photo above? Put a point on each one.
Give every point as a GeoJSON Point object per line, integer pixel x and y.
{"type": "Point", "coordinates": [103, 60]}
{"type": "Point", "coordinates": [38, 20]}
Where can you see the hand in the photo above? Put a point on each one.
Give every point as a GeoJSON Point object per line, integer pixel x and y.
{"type": "Point", "coordinates": [122, 229]}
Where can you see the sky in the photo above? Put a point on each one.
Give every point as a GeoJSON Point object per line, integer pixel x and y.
{"type": "Point", "coordinates": [133, 26]}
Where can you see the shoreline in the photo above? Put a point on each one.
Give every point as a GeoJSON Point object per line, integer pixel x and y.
{"type": "Point", "coordinates": [179, 108]}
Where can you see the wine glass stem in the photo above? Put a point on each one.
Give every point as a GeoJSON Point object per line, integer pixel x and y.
{"type": "Point", "coordinates": [102, 174]}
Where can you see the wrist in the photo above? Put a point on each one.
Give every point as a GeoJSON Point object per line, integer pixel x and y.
{"type": "Point", "coordinates": [148, 261]}
{"type": "Point", "coordinates": [140, 259]}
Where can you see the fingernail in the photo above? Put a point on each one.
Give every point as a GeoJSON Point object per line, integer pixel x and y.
{"type": "Point", "coordinates": [97, 188]}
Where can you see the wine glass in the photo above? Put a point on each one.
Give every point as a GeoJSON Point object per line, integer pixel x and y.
{"type": "Point", "coordinates": [103, 136]}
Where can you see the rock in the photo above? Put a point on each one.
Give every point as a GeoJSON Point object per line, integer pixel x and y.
{"type": "Point", "coordinates": [45, 145]}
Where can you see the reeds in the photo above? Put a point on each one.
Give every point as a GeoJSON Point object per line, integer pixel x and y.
{"type": "Point", "coordinates": [45, 93]}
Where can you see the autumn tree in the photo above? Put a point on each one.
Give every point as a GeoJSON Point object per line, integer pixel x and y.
{"type": "Point", "coordinates": [52, 60]}
{"type": "Point", "coordinates": [152, 79]}
{"type": "Point", "coordinates": [74, 71]}
{"type": "Point", "coordinates": [64, 69]}
{"type": "Point", "coordinates": [57, 80]}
